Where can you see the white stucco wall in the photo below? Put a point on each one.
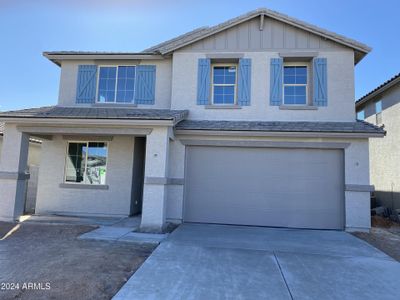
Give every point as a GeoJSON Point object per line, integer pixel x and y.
{"type": "Point", "coordinates": [176, 170]}
{"type": "Point", "coordinates": [176, 87]}
{"type": "Point", "coordinates": [69, 72]}
{"type": "Point", "coordinates": [70, 201]}
{"type": "Point", "coordinates": [33, 153]}
{"type": "Point", "coordinates": [340, 89]}
{"type": "Point", "coordinates": [357, 204]}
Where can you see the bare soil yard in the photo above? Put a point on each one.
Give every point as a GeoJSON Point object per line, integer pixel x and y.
{"type": "Point", "coordinates": [60, 265]}
{"type": "Point", "coordinates": [384, 235]}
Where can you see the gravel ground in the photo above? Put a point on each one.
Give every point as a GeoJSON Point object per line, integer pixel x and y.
{"type": "Point", "coordinates": [61, 266]}
{"type": "Point", "coordinates": [384, 235]}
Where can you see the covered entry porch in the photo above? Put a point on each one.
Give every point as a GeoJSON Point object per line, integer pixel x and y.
{"type": "Point", "coordinates": [124, 172]}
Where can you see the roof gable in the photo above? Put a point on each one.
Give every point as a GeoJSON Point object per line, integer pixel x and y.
{"type": "Point", "coordinates": [261, 35]}
{"type": "Point", "coordinates": [202, 33]}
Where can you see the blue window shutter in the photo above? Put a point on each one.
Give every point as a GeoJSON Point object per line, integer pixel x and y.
{"type": "Point", "coordinates": [320, 94]}
{"type": "Point", "coordinates": [244, 81]}
{"type": "Point", "coordinates": [276, 83]}
{"type": "Point", "coordinates": [86, 85]}
{"type": "Point", "coordinates": [145, 86]}
{"type": "Point", "coordinates": [203, 81]}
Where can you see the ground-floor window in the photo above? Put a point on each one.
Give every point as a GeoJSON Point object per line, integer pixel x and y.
{"type": "Point", "coordinates": [86, 163]}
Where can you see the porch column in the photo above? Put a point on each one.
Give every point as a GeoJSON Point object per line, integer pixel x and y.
{"type": "Point", "coordinates": [154, 190]}
{"type": "Point", "coordinates": [13, 164]}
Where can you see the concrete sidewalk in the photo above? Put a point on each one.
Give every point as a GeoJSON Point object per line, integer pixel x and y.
{"type": "Point", "coordinates": [238, 262]}
{"type": "Point", "coordinates": [122, 234]}
{"type": "Point", "coordinates": [109, 229]}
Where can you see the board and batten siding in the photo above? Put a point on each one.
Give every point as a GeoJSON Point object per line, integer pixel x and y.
{"type": "Point", "coordinates": [275, 35]}
{"type": "Point", "coordinates": [69, 73]}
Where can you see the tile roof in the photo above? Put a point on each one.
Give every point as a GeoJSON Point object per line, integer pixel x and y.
{"type": "Point", "coordinates": [96, 53]}
{"type": "Point", "coordinates": [337, 127]}
{"type": "Point", "coordinates": [378, 89]}
{"type": "Point", "coordinates": [200, 33]}
{"type": "Point", "coordinates": [60, 112]}
{"type": "Point", "coordinates": [195, 35]}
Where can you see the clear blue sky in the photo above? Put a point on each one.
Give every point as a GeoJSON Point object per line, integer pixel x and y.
{"type": "Point", "coordinates": [27, 28]}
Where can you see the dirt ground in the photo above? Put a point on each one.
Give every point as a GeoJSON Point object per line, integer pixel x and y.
{"type": "Point", "coordinates": [384, 235]}
{"type": "Point", "coordinates": [48, 262]}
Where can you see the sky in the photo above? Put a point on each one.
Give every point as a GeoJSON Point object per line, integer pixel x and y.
{"type": "Point", "coordinates": [27, 28]}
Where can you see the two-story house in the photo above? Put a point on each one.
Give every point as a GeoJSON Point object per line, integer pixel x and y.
{"type": "Point", "coordinates": [248, 122]}
{"type": "Point", "coordinates": [381, 107]}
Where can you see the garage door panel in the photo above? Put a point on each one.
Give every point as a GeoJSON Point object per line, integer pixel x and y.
{"type": "Point", "coordinates": [265, 186]}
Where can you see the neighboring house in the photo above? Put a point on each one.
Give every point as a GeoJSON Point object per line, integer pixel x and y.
{"type": "Point", "coordinates": [32, 167]}
{"type": "Point", "coordinates": [249, 122]}
{"type": "Point", "coordinates": [381, 107]}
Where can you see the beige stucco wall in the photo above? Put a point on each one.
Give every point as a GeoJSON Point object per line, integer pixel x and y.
{"type": "Point", "coordinates": [112, 202]}
{"type": "Point", "coordinates": [340, 90]}
{"type": "Point", "coordinates": [385, 153]}
{"type": "Point", "coordinates": [69, 72]}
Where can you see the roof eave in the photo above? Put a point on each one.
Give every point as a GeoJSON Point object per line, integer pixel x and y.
{"type": "Point", "coordinates": [58, 57]}
{"type": "Point", "coordinates": [88, 122]}
{"type": "Point", "coordinates": [261, 133]}
{"type": "Point", "coordinates": [376, 93]}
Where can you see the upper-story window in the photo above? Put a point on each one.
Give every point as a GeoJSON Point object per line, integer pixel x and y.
{"type": "Point", "coordinates": [378, 112]}
{"type": "Point", "coordinates": [224, 83]}
{"type": "Point", "coordinates": [361, 115]}
{"type": "Point", "coordinates": [378, 106]}
{"type": "Point", "coordinates": [295, 84]}
{"type": "Point", "coordinates": [116, 84]}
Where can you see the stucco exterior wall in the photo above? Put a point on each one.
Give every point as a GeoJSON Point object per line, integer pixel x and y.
{"type": "Point", "coordinates": [356, 168]}
{"type": "Point", "coordinates": [33, 154]}
{"type": "Point", "coordinates": [69, 72]}
{"type": "Point", "coordinates": [176, 171]}
{"type": "Point", "coordinates": [115, 201]}
{"type": "Point", "coordinates": [340, 89]}
{"type": "Point", "coordinates": [385, 153]}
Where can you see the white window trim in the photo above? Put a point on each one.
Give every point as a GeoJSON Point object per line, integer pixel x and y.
{"type": "Point", "coordinates": [220, 84]}
{"type": "Point", "coordinates": [86, 160]}
{"type": "Point", "coordinates": [116, 84]}
{"type": "Point", "coordinates": [296, 64]}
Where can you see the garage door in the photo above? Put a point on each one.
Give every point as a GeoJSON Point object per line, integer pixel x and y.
{"type": "Point", "coordinates": [299, 188]}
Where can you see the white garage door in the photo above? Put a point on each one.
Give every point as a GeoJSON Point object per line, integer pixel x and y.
{"type": "Point", "coordinates": [299, 188]}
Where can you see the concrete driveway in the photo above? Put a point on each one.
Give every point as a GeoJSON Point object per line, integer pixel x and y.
{"type": "Point", "coordinates": [200, 261]}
